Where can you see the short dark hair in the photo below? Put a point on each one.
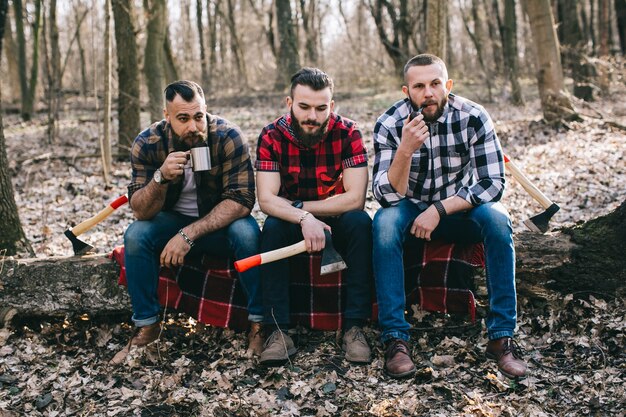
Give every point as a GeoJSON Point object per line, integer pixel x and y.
{"type": "Point", "coordinates": [423, 60]}
{"type": "Point", "coordinates": [312, 77]}
{"type": "Point", "coordinates": [184, 88]}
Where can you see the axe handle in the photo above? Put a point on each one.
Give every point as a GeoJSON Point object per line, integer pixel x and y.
{"type": "Point", "coordinates": [525, 182]}
{"type": "Point", "coordinates": [103, 214]}
{"type": "Point", "coordinates": [271, 256]}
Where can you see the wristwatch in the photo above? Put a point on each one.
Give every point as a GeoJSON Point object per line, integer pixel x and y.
{"type": "Point", "coordinates": [158, 177]}
{"type": "Point", "coordinates": [298, 204]}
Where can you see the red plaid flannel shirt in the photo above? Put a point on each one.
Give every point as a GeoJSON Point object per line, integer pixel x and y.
{"type": "Point", "coordinates": [310, 174]}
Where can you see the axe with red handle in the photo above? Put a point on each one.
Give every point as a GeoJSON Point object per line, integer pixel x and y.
{"type": "Point", "coordinates": [538, 223]}
{"type": "Point", "coordinates": [80, 247]}
{"type": "Point", "coordinates": [331, 260]}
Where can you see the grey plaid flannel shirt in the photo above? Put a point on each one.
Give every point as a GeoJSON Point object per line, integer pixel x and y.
{"type": "Point", "coordinates": [462, 157]}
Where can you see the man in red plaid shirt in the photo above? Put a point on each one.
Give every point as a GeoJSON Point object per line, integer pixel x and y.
{"type": "Point", "coordinates": [312, 177]}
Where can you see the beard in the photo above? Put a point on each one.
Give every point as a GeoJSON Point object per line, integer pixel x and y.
{"type": "Point", "coordinates": [431, 117]}
{"type": "Point", "coordinates": [188, 140]}
{"type": "Point", "coordinates": [309, 139]}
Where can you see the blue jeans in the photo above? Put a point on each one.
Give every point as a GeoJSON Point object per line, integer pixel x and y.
{"type": "Point", "coordinates": [352, 238]}
{"type": "Point", "coordinates": [488, 223]}
{"type": "Point", "coordinates": [144, 241]}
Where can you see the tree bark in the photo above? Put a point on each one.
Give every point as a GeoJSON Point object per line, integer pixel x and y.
{"type": "Point", "coordinates": [236, 45]}
{"type": "Point", "coordinates": [555, 103]}
{"type": "Point", "coordinates": [288, 61]}
{"type": "Point", "coordinates": [436, 28]}
{"type": "Point", "coordinates": [309, 15]}
{"type": "Point", "coordinates": [105, 144]}
{"type": "Point", "coordinates": [12, 237]}
{"type": "Point", "coordinates": [620, 12]}
{"type": "Point", "coordinates": [509, 48]}
{"type": "Point", "coordinates": [81, 52]}
{"type": "Point", "coordinates": [28, 86]}
{"type": "Point", "coordinates": [169, 62]}
{"type": "Point", "coordinates": [153, 57]}
{"type": "Point", "coordinates": [604, 25]}
{"type": "Point", "coordinates": [12, 61]}
{"type": "Point", "coordinates": [57, 76]}
{"type": "Point", "coordinates": [203, 57]}
{"type": "Point", "coordinates": [128, 104]}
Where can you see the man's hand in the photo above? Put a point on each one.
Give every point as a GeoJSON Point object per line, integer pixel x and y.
{"type": "Point", "coordinates": [425, 223]}
{"type": "Point", "coordinates": [414, 134]}
{"type": "Point", "coordinates": [174, 252]}
{"type": "Point", "coordinates": [313, 232]}
{"type": "Point", "coordinates": [174, 165]}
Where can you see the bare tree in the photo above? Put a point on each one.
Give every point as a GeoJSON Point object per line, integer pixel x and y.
{"type": "Point", "coordinates": [12, 61]}
{"type": "Point", "coordinates": [203, 57]}
{"type": "Point", "coordinates": [27, 86]}
{"type": "Point", "coordinates": [128, 105]}
{"type": "Point", "coordinates": [153, 56]}
{"type": "Point", "coordinates": [603, 8]}
{"type": "Point", "coordinates": [12, 237]}
{"type": "Point", "coordinates": [288, 61]}
{"type": "Point", "coordinates": [555, 103]}
{"type": "Point", "coordinates": [620, 12]}
{"type": "Point", "coordinates": [393, 16]}
{"type": "Point", "coordinates": [105, 140]}
{"type": "Point", "coordinates": [436, 29]}
{"type": "Point", "coordinates": [478, 37]}
{"type": "Point", "coordinates": [308, 11]}
{"type": "Point", "coordinates": [236, 45]}
{"type": "Point", "coordinates": [509, 47]}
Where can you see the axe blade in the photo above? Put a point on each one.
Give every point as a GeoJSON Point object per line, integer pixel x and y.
{"type": "Point", "coordinates": [80, 247]}
{"type": "Point", "coordinates": [331, 260]}
{"type": "Point", "coordinates": [540, 222]}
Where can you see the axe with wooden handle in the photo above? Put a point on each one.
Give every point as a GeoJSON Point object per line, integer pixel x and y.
{"type": "Point", "coordinates": [80, 247]}
{"type": "Point", "coordinates": [538, 223]}
{"type": "Point", "coordinates": [331, 260]}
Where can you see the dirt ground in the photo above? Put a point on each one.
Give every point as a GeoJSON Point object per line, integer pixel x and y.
{"type": "Point", "coordinates": [574, 343]}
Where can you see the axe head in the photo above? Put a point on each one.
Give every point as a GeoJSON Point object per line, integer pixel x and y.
{"type": "Point", "coordinates": [331, 260]}
{"type": "Point", "coordinates": [80, 247]}
{"type": "Point", "coordinates": [540, 222]}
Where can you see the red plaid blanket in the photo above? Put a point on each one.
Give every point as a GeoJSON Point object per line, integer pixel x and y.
{"type": "Point", "coordinates": [439, 277]}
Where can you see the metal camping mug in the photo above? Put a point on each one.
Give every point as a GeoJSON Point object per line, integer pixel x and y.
{"type": "Point", "coordinates": [200, 159]}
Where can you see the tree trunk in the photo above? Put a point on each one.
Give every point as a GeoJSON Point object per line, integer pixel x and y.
{"type": "Point", "coordinates": [28, 86]}
{"type": "Point", "coordinates": [288, 60]}
{"type": "Point", "coordinates": [436, 28]}
{"type": "Point", "coordinates": [620, 11]}
{"type": "Point", "coordinates": [212, 22]}
{"type": "Point", "coordinates": [81, 52]}
{"type": "Point", "coordinates": [169, 62]}
{"type": "Point", "coordinates": [153, 57]}
{"type": "Point", "coordinates": [478, 39]}
{"type": "Point", "coordinates": [309, 15]}
{"type": "Point", "coordinates": [12, 237]}
{"type": "Point", "coordinates": [128, 104]}
{"type": "Point", "coordinates": [57, 76]}
{"type": "Point", "coordinates": [604, 25]}
{"type": "Point", "coordinates": [203, 57]}
{"type": "Point", "coordinates": [494, 36]}
{"type": "Point", "coordinates": [555, 104]}
{"type": "Point", "coordinates": [12, 61]}
{"type": "Point", "coordinates": [236, 45]}
{"type": "Point", "coordinates": [509, 48]}
{"type": "Point", "coordinates": [105, 144]}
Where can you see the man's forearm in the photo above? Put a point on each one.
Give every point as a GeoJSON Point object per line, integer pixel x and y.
{"type": "Point", "coordinates": [398, 173]}
{"type": "Point", "coordinates": [455, 204]}
{"type": "Point", "coordinates": [148, 201]}
{"type": "Point", "coordinates": [335, 205]}
{"type": "Point", "coordinates": [222, 215]}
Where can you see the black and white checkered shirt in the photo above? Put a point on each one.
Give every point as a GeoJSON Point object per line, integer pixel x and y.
{"type": "Point", "coordinates": [462, 157]}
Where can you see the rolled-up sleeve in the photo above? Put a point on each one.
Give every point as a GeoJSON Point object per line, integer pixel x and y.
{"type": "Point", "coordinates": [385, 147]}
{"type": "Point", "coordinates": [487, 161]}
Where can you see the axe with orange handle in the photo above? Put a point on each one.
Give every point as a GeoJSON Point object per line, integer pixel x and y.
{"type": "Point", "coordinates": [538, 223]}
{"type": "Point", "coordinates": [80, 247]}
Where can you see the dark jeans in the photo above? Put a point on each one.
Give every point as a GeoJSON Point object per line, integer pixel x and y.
{"type": "Point", "coordinates": [352, 238]}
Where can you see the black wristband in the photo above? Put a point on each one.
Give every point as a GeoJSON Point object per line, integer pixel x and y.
{"type": "Point", "coordinates": [440, 209]}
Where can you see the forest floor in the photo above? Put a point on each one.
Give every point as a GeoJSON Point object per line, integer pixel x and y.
{"type": "Point", "coordinates": [574, 343]}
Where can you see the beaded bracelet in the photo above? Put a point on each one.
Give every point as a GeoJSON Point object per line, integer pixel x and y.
{"type": "Point", "coordinates": [306, 213]}
{"type": "Point", "coordinates": [187, 239]}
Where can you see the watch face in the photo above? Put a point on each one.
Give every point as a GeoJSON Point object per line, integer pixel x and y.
{"type": "Point", "coordinates": [157, 176]}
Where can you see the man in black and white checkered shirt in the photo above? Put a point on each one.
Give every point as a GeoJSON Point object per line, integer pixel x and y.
{"type": "Point", "coordinates": [439, 173]}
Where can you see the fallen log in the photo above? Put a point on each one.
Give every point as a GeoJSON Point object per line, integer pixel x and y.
{"type": "Point", "coordinates": [584, 259]}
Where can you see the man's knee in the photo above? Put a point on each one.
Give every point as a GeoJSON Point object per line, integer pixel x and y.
{"type": "Point", "coordinates": [387, 225]}
{"type": "Point", "coordinates": [244, 232]}
{"type": "Point", "coordinates": [138, 235]}
{"type": "Point", "coordinates": [494, 218]}
{"type": "Point", "coordinates": [357, 221]}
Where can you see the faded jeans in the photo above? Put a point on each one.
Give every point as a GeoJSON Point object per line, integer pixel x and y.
{"type": "Point", "coordinates": [488, 223]}
{"type": "Point", "coordinates": [144, 241]}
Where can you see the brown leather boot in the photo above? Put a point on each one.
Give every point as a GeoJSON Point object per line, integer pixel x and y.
{"type": "Point", "coordinates": [398, 362]}
{"type": "Point", "coordinates": [143, 336]}
{"type": "Point", "coordinates": [508, 356]}
{"type": "Point", "coordinates": [255, 339]}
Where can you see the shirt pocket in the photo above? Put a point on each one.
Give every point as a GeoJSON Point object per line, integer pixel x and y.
{"type": "Point", "coordinates": [453, 162]}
